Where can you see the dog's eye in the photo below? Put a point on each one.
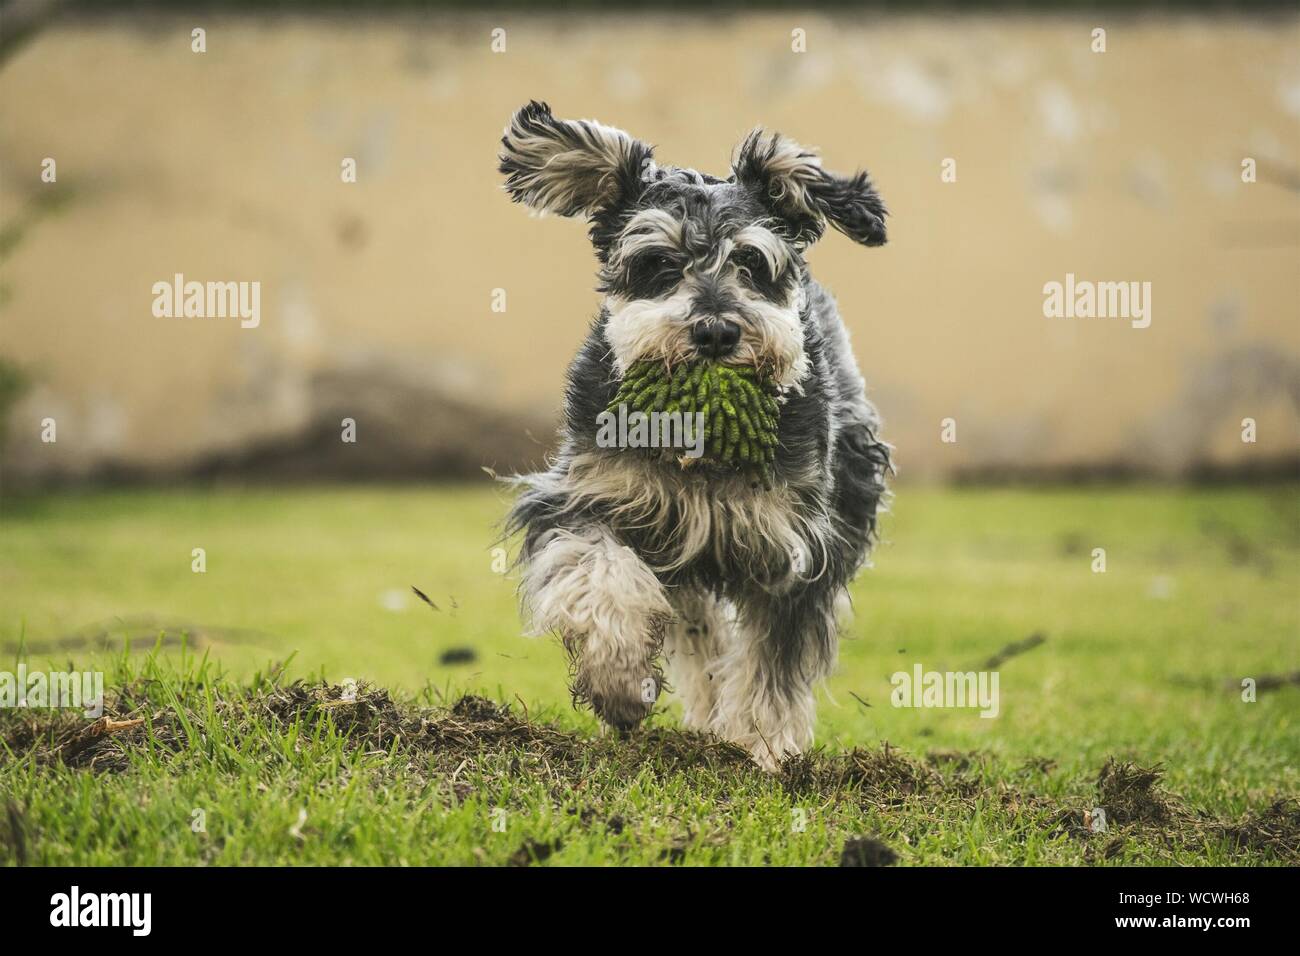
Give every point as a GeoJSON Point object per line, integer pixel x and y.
{"type": "Point", "coordinates": [749, 260]}
{"type": "Point", "coordinates": [654, 273]}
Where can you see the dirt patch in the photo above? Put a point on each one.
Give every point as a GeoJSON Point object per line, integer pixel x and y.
{"type": "Point", "coordinates": [1135, 803]}
{"type": "Point", "coordinates": [886, 776]}
{"type": "Point", "coordinates": [458, 655]}
{"type": "Point", "coordinates": [958, 760]}
{"type": "Point", "coordinates": [489, 743]}
{"type": "Point", "coordinates": [1276, 829]}
{"type": "Point", "coordinates": [867, 851]}
{"type": "Point", "coordinates": [534, 851]}
{"type": "Point", "coordinates": [368, 719]}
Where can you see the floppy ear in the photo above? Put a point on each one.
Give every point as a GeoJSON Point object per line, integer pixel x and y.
{"type": "Point", "coordinates": [790, 181]}
{"type": "Point", "coordinates": [569, 167]}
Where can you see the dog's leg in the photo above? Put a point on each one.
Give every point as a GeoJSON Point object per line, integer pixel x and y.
{"type": "Point", "coordinates": [764, 682]}
{"type": "Point", "coordinates": [692, 645]}
{"type": "Point", "coordinates": [611, 612]}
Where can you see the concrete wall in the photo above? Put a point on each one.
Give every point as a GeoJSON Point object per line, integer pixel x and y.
{"type": "Point", "coordinates": [1114, 166]}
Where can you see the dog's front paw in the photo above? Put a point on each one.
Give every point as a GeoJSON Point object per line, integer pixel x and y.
{"type": "Point", "coordinates": [766, 756]}
{"type": "Point", "coordinates": [769, 748]}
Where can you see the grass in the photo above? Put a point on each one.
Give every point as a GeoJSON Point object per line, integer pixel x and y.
{"type": "Point", "coordinates": [1130, 701]}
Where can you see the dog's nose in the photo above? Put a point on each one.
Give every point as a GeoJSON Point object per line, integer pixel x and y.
{"type": "Point", "coordinates": [715, 338]}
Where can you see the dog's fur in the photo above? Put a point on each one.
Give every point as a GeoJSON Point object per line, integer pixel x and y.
{"type": "Point", "coordinates": [628, 556]}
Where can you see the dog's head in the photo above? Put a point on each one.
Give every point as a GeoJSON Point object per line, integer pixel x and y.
{"type": "Point", "coordinates": [692, 265]}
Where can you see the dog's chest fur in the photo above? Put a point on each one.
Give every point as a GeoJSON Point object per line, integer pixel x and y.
{"type": "Point", "coordinates": [703, 529]}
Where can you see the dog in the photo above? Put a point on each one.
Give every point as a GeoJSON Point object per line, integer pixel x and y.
{"type": "Point", "coordinates": [738, 584]}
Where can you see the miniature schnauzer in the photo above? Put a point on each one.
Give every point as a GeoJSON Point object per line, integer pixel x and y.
{"type": "Point", "coordinates": [737, 582]}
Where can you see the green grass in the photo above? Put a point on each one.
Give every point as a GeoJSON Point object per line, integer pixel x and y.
{"type": "Point", "coordinates": [1200, 591]}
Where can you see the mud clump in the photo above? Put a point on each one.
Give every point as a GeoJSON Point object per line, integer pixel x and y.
{"type": "Point", "coordinates": [479, 709]}
{"type": "Point", "coordinates": [1131, 794]}
{"type": "Point", "coordinates": [867, 851]}
{"type": "Point", "coordinates": [458, 655]}
{"type": "Point", "coordinates": [534, 851]}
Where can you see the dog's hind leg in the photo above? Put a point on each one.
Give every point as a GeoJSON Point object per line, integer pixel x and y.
{"type": "Point", "coordinates": [765, 681]}
{"type": "Point", "coordinates": [611, 612]}
{"type": "Point", "coordinates": [692, 645]}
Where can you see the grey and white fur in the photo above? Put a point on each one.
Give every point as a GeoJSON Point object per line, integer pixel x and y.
{"type": "Point", "coordinates": [631, 558]}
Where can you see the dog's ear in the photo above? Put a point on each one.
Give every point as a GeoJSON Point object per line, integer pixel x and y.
{"type": "Point", "coordinates": [790, 181]}
{"type": "Point", "coordinates": [570, 167]}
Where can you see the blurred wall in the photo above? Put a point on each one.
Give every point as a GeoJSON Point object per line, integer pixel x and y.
{"type": "Point", "coordinates": [376, 295]}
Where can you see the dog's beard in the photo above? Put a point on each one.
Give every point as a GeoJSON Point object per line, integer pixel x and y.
{"type": "Point", "coordinates": [738, 404]}
{"type": "Point", "coordinates": [772, 337]}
